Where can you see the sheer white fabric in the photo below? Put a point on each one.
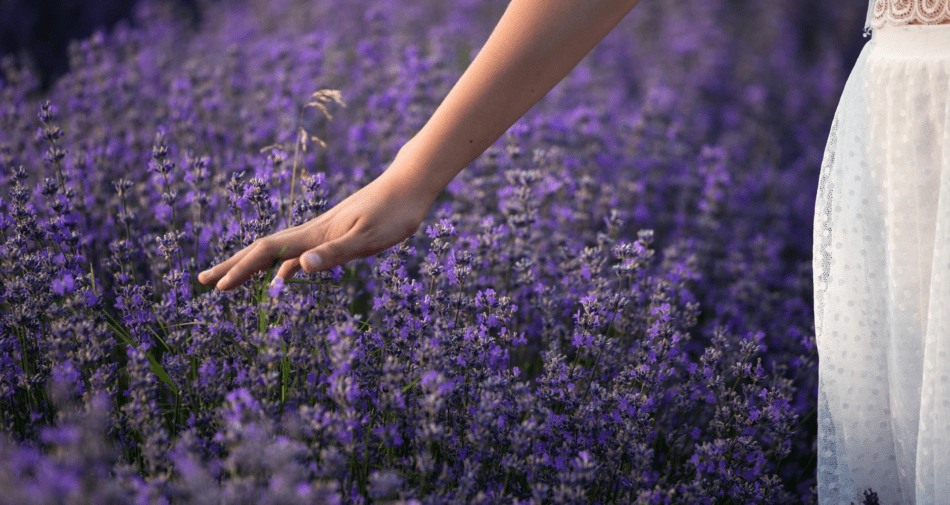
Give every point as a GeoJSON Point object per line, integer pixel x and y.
{"type": "Point", "coordinates": [882, 274]}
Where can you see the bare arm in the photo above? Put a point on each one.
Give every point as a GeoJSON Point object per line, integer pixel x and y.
{"type": "Point", "coordinates": [535, 44]}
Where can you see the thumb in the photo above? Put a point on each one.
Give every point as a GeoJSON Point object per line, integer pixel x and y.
{"type": "Point", "coordinates": [327, 255]}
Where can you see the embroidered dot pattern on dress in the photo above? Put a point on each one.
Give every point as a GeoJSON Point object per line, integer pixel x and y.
{"type": "Point", "coordinates": [881, 264]}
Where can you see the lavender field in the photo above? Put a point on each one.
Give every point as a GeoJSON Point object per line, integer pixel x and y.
{"type": "Point", "coordinates": [611, 305]}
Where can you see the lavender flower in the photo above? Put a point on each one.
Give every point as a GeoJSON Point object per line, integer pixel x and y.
{"type": "Point", "coordinates": [595, 313]}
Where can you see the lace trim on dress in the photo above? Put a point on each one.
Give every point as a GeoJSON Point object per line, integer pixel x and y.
{"type": "Point", "coordinates": [910, 12]}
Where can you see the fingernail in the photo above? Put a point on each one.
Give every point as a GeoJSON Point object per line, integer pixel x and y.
{"type": "Point", "coordinates": [206, 272]}
{"type": "Point", "coordinates": [313, 261]}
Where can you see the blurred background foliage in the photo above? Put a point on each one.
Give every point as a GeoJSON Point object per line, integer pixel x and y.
{"type": "Point", "coordinates": [41, 30]}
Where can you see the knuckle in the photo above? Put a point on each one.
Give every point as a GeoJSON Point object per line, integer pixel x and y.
{"type": "Point", "coordinates": [265, 242]}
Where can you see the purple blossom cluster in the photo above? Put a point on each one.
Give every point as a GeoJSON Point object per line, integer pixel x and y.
{"type": "Point", "coordinates": [611, 305]}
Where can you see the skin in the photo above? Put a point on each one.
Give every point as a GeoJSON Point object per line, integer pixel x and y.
{"type": "Point", "coordinates": [532, 48]}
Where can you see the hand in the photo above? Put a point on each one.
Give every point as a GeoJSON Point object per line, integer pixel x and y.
{"type": "Point", "coordinates": [380, 215]}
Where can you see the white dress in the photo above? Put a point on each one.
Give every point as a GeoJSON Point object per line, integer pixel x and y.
{"type": "Point", "coordinates": [882, 266]}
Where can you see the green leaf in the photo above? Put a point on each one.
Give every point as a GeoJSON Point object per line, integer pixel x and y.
{"type": "Point", "coordinates": [296, 281]}
{"type": "Point", "coordinates": [159, 337]}
{"type": "Point", "coordinates": [413, 383]}
{"type": "Point", "coordinates": [119, 330]}
{"type": "Point", "coordinates": [285, 372]}
{"type": "Point", "coordinates": [162, 374]}
{"type": "Point", "coordinates": [126, 338]}
{"type": "Point", "coordinates": [270, 275]}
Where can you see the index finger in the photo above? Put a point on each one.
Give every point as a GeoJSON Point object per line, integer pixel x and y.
{"type": "Point", "coordinates": [213, 274]}
{"type": "Point", "coordinates": [259, 256]}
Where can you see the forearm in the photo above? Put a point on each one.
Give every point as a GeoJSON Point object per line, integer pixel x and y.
{"type": "Point", "coordinates": [535, 44]}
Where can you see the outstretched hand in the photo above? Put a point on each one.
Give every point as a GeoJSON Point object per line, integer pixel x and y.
{"type": "Point", "coordinates": [378, 216]}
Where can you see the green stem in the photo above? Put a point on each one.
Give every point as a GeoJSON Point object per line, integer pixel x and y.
{"type": "Point", "coordinates": [181, 264]}
{"type": "Point", "coordinates": [511, 252]}
{"type": "Point", "coordinates": [438, 259]}
{"type": "Point", "coordinates": [577, 353]}
{"type": "Point", "coordinates": [128, 233]}
{"type": "Point", "coordinates": [293, 177]}
{"type": "Point", "coordinates": [602, 346]}
{"type": "Point", "coordinates": [458, 305]}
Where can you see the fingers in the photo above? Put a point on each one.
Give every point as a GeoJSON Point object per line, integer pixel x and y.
{"type": "Point", "coordinates": [215, 273]}
{"type": "Point", "coordinates": [333, 253]}
{"type": "Point", "coordinates": [292, 235]}
{"type": "Point", "coordinates": [288, 270]}
{"type": "Point", "coordinates": [256, 257]}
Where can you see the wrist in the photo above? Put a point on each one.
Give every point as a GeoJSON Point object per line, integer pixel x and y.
{"type": "Point", "coordinates": [418, 174]}
{"type": "Point", "coordinates": [408, 175]}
